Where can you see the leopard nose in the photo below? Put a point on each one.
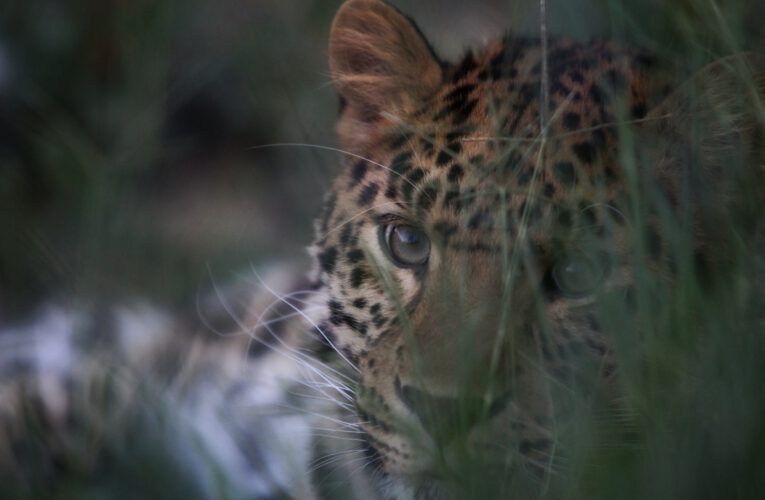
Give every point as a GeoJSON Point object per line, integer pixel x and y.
{"type": "Point", "coordinates": [444, 417]}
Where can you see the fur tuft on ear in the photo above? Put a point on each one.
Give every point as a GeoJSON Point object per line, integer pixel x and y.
{"type": "Point", "coordinates": [380, 63]}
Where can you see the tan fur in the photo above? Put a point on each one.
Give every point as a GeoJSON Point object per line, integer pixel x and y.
{"type": "Point", "coordinates": [379, 63]}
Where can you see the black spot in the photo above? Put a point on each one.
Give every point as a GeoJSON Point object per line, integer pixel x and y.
{"type": "Point", "coordinates": [460, 93]}
{"type": "Point", "coordinates": [359, 172]}
{"type": "Point", "coordinates": [456, 173]}
{"type": "Point", "coordinates": [445, 229]}
{"type": "Point", "coordinates": [391, 192]}
{"type": "Point", "coordinates": [525, 176]}
{"type": "Point", "coordinates": [400, 164]}
{"type": "Point", "coordinates": [549, 190]}
{"type": "Point", "coordinates": [338, 317]}
{"type": "Point", "coordinates": [455, 147]}
{"type": "Point", "coordinates": [558, 87]}
{"type": "Point", "coordinates": [355, 324]}
{"type": "Point", "coordinates": [585, 151]}
{"type": "Point", "coordinates": [448, 153]}
{"type": "Point", "coordinates": [639, 110]}
{"type": "Point", "coordinates": [378, 320]}
{"type": "Point", "coordinates": [368, 194]}
{"type": "Point", "coordinates": [465, 111]}
{"type": "Point", "coordinates": [328, 259]}
{"type": "Point", "coordinates": [481, 220]}
{"type": "Point", "coordinates": [335, 306]}
{"type": "Point", "coordinates": [360, 303]}
{"type": "Point", "coordinates": [375, 308]}
{"type": "Point", "coordinates": [571, 121]}
{"type": "Point", "coordinates": [399, 140]}
{"type": "Point", "coordinates": [427, 198]}
{"type": "Point", "coordinates": [355, 256]}
{"type": "Point", "coordinates": [443, 158]}
{"type": "Point", "coordinates": [596, 94]}
{"type": "Point", "coordinates": [529, 92]}
{"type": "Point", "coordinates": [411, 182]}
{"type": "Point", "coordinates": [452, 200]}
{"type": "Point", "coordinates": [346, 234]}
{"type": "Point", "coordinates": [565, 173]}
{"type": "Point", "coordinates": [467, 65]}
{"type": "Point", "coordinates": [497, 66]}
{"type": "Point", "coordinates": [576, 76]}
{"type": "Point", "coordinates": [358, 276]}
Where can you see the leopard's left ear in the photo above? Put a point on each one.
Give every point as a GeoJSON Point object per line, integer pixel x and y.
{"type": "Point", "coordinates": [381, 65]}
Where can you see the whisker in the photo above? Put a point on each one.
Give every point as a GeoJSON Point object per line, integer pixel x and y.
{"type": "Point", "coordinates": [318, 329]}
{"type": "Point", "coordinates": [332, 458]}
{"type": "Point", "coordinates": [289, 352]}
{"type": "Point", "coordinates": [351, 425]}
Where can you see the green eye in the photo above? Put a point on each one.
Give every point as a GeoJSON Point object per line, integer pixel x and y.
{"type": "Point", "coordinates": [578, 275]}
{"type": "Point", "coordinates": [407, 245]}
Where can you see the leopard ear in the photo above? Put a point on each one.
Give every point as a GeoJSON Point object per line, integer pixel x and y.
{"type": "Point", "coordinates": [380, 63]}
{"type": "Point", "coordinates": [705, 142]}
{"type": "Point", "coordinates": [719, 111]}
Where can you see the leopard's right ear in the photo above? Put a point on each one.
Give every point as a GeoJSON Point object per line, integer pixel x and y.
{"type": "Point", "coordinates": [719, 113]}
{"type": "Point", "coordinates": [704, 146]}
{"type": "Point", "coordinates": [381, 65]}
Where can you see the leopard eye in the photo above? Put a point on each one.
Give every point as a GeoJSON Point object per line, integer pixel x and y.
{"type": "Point", "coordinates": [579, 274]}
{"type": "Point", "coordinates": [407, 245]}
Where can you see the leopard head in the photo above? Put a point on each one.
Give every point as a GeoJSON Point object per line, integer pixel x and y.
{"type": "Point", "coordinates": [484, 213]}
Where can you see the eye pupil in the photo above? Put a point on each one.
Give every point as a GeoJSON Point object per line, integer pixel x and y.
{"type": "Point", "coordinates": [407, 236]}
{"type": "Point", "coordinates": [578, 275]}
{"type": "Point", "coordinates": [408, 246]}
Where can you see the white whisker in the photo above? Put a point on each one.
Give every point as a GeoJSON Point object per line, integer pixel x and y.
{"type": "Point", "coordinates": [324, 335]}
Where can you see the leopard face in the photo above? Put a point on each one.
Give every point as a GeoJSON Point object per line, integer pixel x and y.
{"type": "Point", "coordinates": [482, 213]}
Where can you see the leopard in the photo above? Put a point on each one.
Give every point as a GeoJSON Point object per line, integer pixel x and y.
{"type": "Point", "coordinates": [451, 340]}
{"type": "Point", "coordinates": [484, 213]}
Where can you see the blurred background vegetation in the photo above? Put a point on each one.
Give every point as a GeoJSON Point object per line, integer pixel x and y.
{"type": "Point", "coordinates": [131, 131]}
{"type": "Point", "coordinates": [125, 136]}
